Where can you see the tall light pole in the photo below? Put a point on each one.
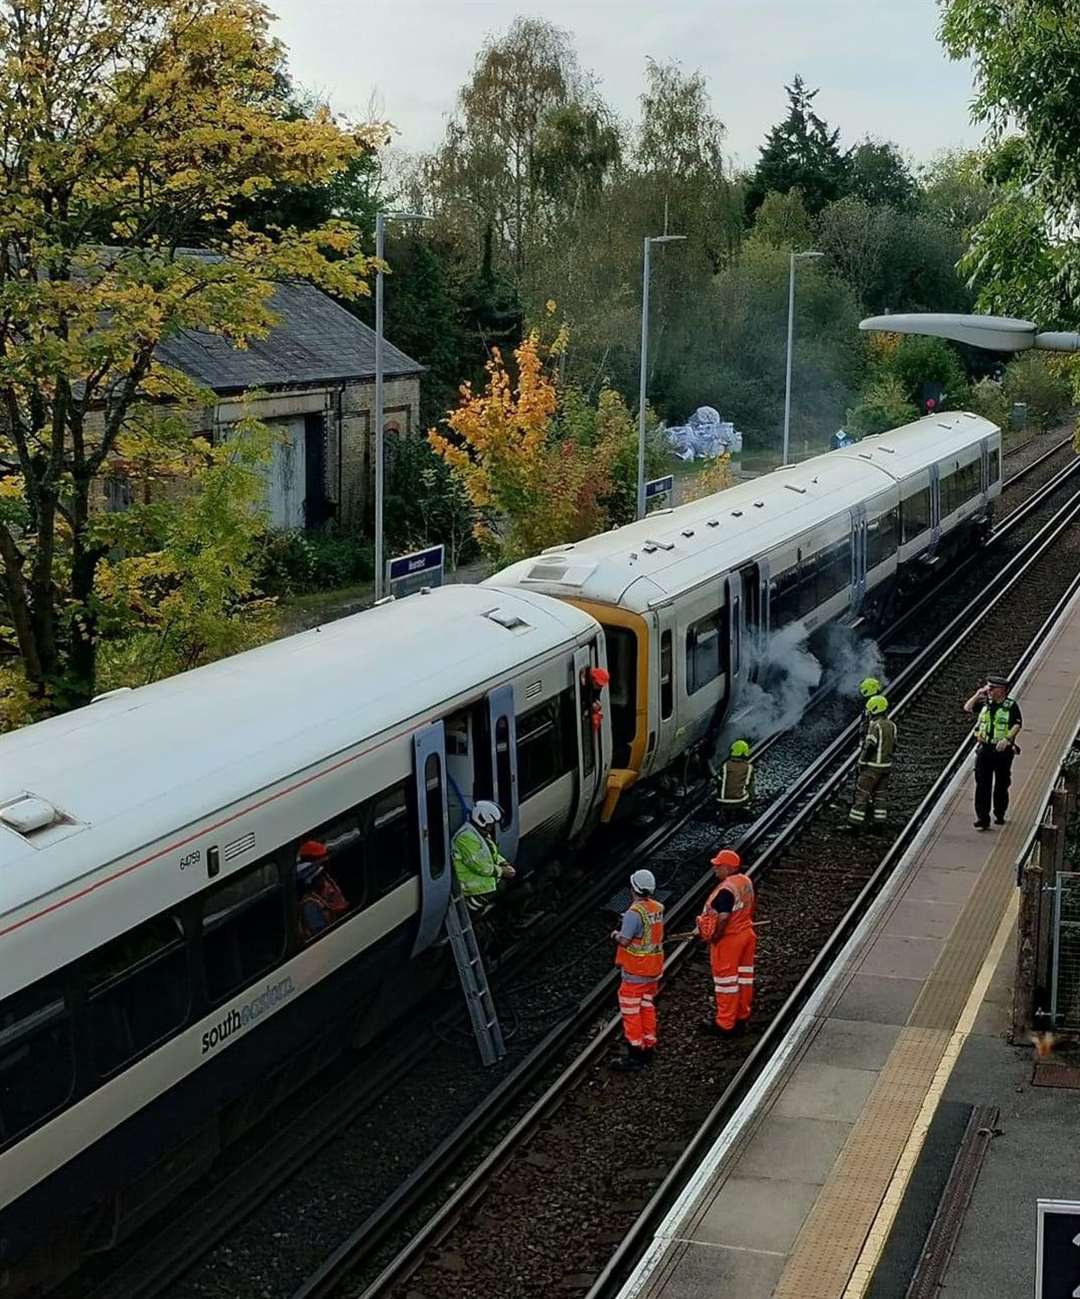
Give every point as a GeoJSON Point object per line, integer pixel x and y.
{"type": "Point", "coordinates": [381, 219]}
{"type": "Point", "coordinates": [795, 257]}
{"type": "Point", "coordinates": [643, 383]}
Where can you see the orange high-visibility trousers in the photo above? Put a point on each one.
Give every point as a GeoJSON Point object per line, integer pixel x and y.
{"type": "Point", "coordinates": [637, 1005]}
{"type": "Point", "coordinates": [732, 961]}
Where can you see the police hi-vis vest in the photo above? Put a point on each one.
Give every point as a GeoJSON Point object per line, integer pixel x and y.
{"type": "Point", "coordinates": [994, 721]}
{"type": "Point", "coordinates": [644, 956]}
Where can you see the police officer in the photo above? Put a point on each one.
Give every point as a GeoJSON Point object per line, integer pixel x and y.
{"type": "Point", "coordinates": [996, 728]}
{"type": "Point", "coordinates": [875, 765]}
{"type": "Point", "coordinates": [639, 954]}
{"type": "Point", "coordinates": [735, 781]}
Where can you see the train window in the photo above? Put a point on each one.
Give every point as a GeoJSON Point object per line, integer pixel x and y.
{"type": "Point", "coordinates": [703, 652]}
{"type": "Point", "coordinates": [436, 815]}
{"type": "Point", "coordinates": [667, 677]}
{"type": "Point", "coordinates": [392, 850]}
{"type": "Point", "coordinates": [914, 515]}
{"type": "Point", "coordinates": [784, 597]}
{"type": "Point", "coordinates": [995, 465]}
{"type": "Point", "coordinates": [37, 1057]}
{"type": "Point", "coordinates": [138, 991]}
{"type": "Point", "coordinates": [622, 655]}
{"type": "Point", "coordinates": [588, 735]}
{"type": "Point", "coordinates": [880, 539]}
{"type": "Point", "coordinates": [546, 746]}
{"type": "Point", "coordinates": [243, 929]}
{"type": "Point", "coordinates": [959, 487]}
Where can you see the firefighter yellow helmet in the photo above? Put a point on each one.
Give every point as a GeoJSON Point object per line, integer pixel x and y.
{"type": "Point", "coordinates": [877, 705]}
{"type": "Point", "coordinates": [869, 686]}
{"type": "Point", "coordinates": [740, 749]}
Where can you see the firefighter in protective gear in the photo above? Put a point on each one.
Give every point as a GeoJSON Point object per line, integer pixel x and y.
{"type": "Point", "coordinates": [727, 926]}
{"type": "Point", "coordinates": [868, 688]}
{"type": "Point", "coordinates": [735, 780]}
{"type": "Point", "coordinates": [639, 954]}
{"type": "Point", "coordinates": [996, 728]}
{"type": "Point", "coordinates": [875, 763]}
{"type": "Point", "coordinates": [478, 863]}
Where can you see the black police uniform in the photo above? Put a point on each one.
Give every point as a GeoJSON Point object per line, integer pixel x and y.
{"type": "Point", "coordinates": [993, 770]}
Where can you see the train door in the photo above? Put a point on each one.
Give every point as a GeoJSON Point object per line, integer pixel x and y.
{"type": "Point", "coordinates": [858, 557]}
{"type": "Point", "coordinates": [984, 466]}
{"type": "Point", "coordinates": [589, 739]}
{"type": "Point", "coordinates": [754, 582]}
{"type": "Point", "coordinates": [666, 692]}
{"type": "Point", "coordinates": [935, 508]}
{"type": "Point", "coordinates": [502, 732]}
{"type": "Point", "coordinates": [429, 775]}
{"type": "Point", "coordinates": [736, 633]}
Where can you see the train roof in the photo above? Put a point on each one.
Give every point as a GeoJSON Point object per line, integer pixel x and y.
{"type": "Point", "coordinates": [672, 551]}
{"type": "Point", "coordinates": [139, 764]}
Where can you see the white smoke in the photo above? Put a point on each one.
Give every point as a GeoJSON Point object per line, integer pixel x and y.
{"type": "Point", "coordinates": [789, 676]}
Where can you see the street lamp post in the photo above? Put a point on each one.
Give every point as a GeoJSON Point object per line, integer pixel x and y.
{"type": "Point", "coordinates": [643, 382]}
{"type": "Point", "coordinates": [381, 219]}
{"type": "Point", "coordinates": [795, 257]}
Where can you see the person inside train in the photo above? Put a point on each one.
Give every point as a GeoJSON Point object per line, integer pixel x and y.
{"type": "Point", "coordinates": [321, 901]}
{"type": "Point", "coordinates": [478, 863]}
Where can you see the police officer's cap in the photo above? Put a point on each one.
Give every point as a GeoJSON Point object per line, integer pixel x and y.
{"type": "Point", "coordinates": [996, 679]}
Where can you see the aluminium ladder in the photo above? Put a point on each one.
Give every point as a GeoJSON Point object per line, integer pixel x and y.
{"type": "Point", "coordinates": [474, 981]}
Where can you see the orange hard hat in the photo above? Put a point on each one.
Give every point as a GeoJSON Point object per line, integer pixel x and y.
{"type": "Point", "coordinates": [312, 850]}
{"type": "Point", "coordinates": [727, 857]}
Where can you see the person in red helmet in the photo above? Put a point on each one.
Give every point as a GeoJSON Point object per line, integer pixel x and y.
{"type": "Point", "coordinates": [321, 901]}
{"type": "Point", "coordinates": [727, 926]}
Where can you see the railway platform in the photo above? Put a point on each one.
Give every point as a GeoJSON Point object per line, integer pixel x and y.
{"type": "Point", "coordinates": [827, 1181]}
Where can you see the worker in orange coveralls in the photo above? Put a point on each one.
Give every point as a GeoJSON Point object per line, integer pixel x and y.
{"type": "Point", "coordinates": [727, 926]}
{"type": "Point", "coordinates": [640, 955]}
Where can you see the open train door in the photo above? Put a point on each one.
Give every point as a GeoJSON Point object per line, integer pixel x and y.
{"type": "Point", "coordinates": [429, 773]}
{"type": "Point", "coordinates": [502, 728]}
{"type": "Point", "coordinates": [754, 583]}
{"type": "Point", "coordinates": [736, 634]}
{"type": "Point", "coordinates": [935, 509]}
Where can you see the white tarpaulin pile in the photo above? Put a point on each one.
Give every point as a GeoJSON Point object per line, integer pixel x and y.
{"type": "Point", "coordinates": [704, 436]}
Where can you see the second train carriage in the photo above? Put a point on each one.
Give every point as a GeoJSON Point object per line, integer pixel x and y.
{"type": "Point", "coordinates": [688, 597]}
{"type": "Point", "coordinates": [155, 988]}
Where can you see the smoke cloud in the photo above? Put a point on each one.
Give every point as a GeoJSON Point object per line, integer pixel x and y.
{"type": "Point", "coordinates": [789, 675]}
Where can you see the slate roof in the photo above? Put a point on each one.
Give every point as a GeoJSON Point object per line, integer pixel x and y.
{"type": "Point", "coordinates": [315, 341]}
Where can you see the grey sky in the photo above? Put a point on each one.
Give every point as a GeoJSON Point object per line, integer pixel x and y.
{"type": "Point", "coordinates": [877, 62]}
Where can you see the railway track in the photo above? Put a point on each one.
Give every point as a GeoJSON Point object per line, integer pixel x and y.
{"type": "Point", "coordinates": [566, 1168]}
{"type": "Point", "coordinates": [154, 1268]}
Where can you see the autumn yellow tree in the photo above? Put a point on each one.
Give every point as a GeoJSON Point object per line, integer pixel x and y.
{"type": "Point", "coordinates": [540, 463]}
{"type": "Point", "coordinates": [130, 128]}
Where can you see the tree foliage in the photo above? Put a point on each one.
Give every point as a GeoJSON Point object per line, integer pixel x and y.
{"type": "Point", "coordinates": [801, 152]}
{"type": "Point", "coordinates": [135, 122]}
{"type": "Point", "coordinates": [878, 174]}
{"type": "Point", "coordinates": [885, 405]}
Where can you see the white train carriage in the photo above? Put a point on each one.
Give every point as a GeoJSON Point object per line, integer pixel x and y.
{"type": "Point", "coordinates": [152, 967]}
{"type": "Point", "coordinates": [687, 597]}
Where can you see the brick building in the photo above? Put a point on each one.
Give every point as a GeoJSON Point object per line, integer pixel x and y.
{"type": "Point", "coordinates": [312, 379]}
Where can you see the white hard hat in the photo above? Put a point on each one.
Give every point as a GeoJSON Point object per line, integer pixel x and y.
{"type": "Point", "coordinates": [643, 881]}
{"type": "Point", "coordinates": [486, 813]}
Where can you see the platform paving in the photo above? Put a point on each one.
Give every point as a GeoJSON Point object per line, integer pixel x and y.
{"type": "Point", "coordinates": [799, 1207]}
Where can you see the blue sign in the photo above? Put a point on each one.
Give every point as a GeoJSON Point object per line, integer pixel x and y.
{"type": "Point", "coordinates": [659, 487]}
{"type": "Point", "coordinates": [408, 574]}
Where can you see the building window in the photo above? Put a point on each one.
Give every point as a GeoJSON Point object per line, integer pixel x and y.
{"type": "Point", "coordinates": [119, 495]}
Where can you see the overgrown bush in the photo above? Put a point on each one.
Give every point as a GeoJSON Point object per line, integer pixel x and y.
{"type": "Point", "coordinates": [297, 563]}
{"type": "Point", "coordinates": [426, 503]}
{"type": "Point", "coordinates": [1046, 391]}
{"type": "Point", "coordinates": [988, 400]}
{"type": "Point", "coordinates": [885, 405]}
{"type": "Point", "coordinates": [919, 361]}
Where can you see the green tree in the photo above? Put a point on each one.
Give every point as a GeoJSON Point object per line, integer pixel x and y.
{"type": "Point", "coordinates": [878, 174]}
{"type": "Point", "coordinates": [140, 120]}
{"type": "Point", "coordinates": [783, 221]}
{"type": "Point", "coordinates": [955, 190]}
{"type": "Point", "coordinates": [885, 405]}
{"type": "Point", "coordinates": [918, 361]}
{"type": "Point", "coordinates": [801, 151]}
{"type": "Point", "coordinates": [1025, 257]}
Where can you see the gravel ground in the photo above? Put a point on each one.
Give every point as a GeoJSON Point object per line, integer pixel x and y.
{"type": "Point", "coordinates": [581, 1182]}
{"type": "Point", "coordinates": [297, 1228]}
